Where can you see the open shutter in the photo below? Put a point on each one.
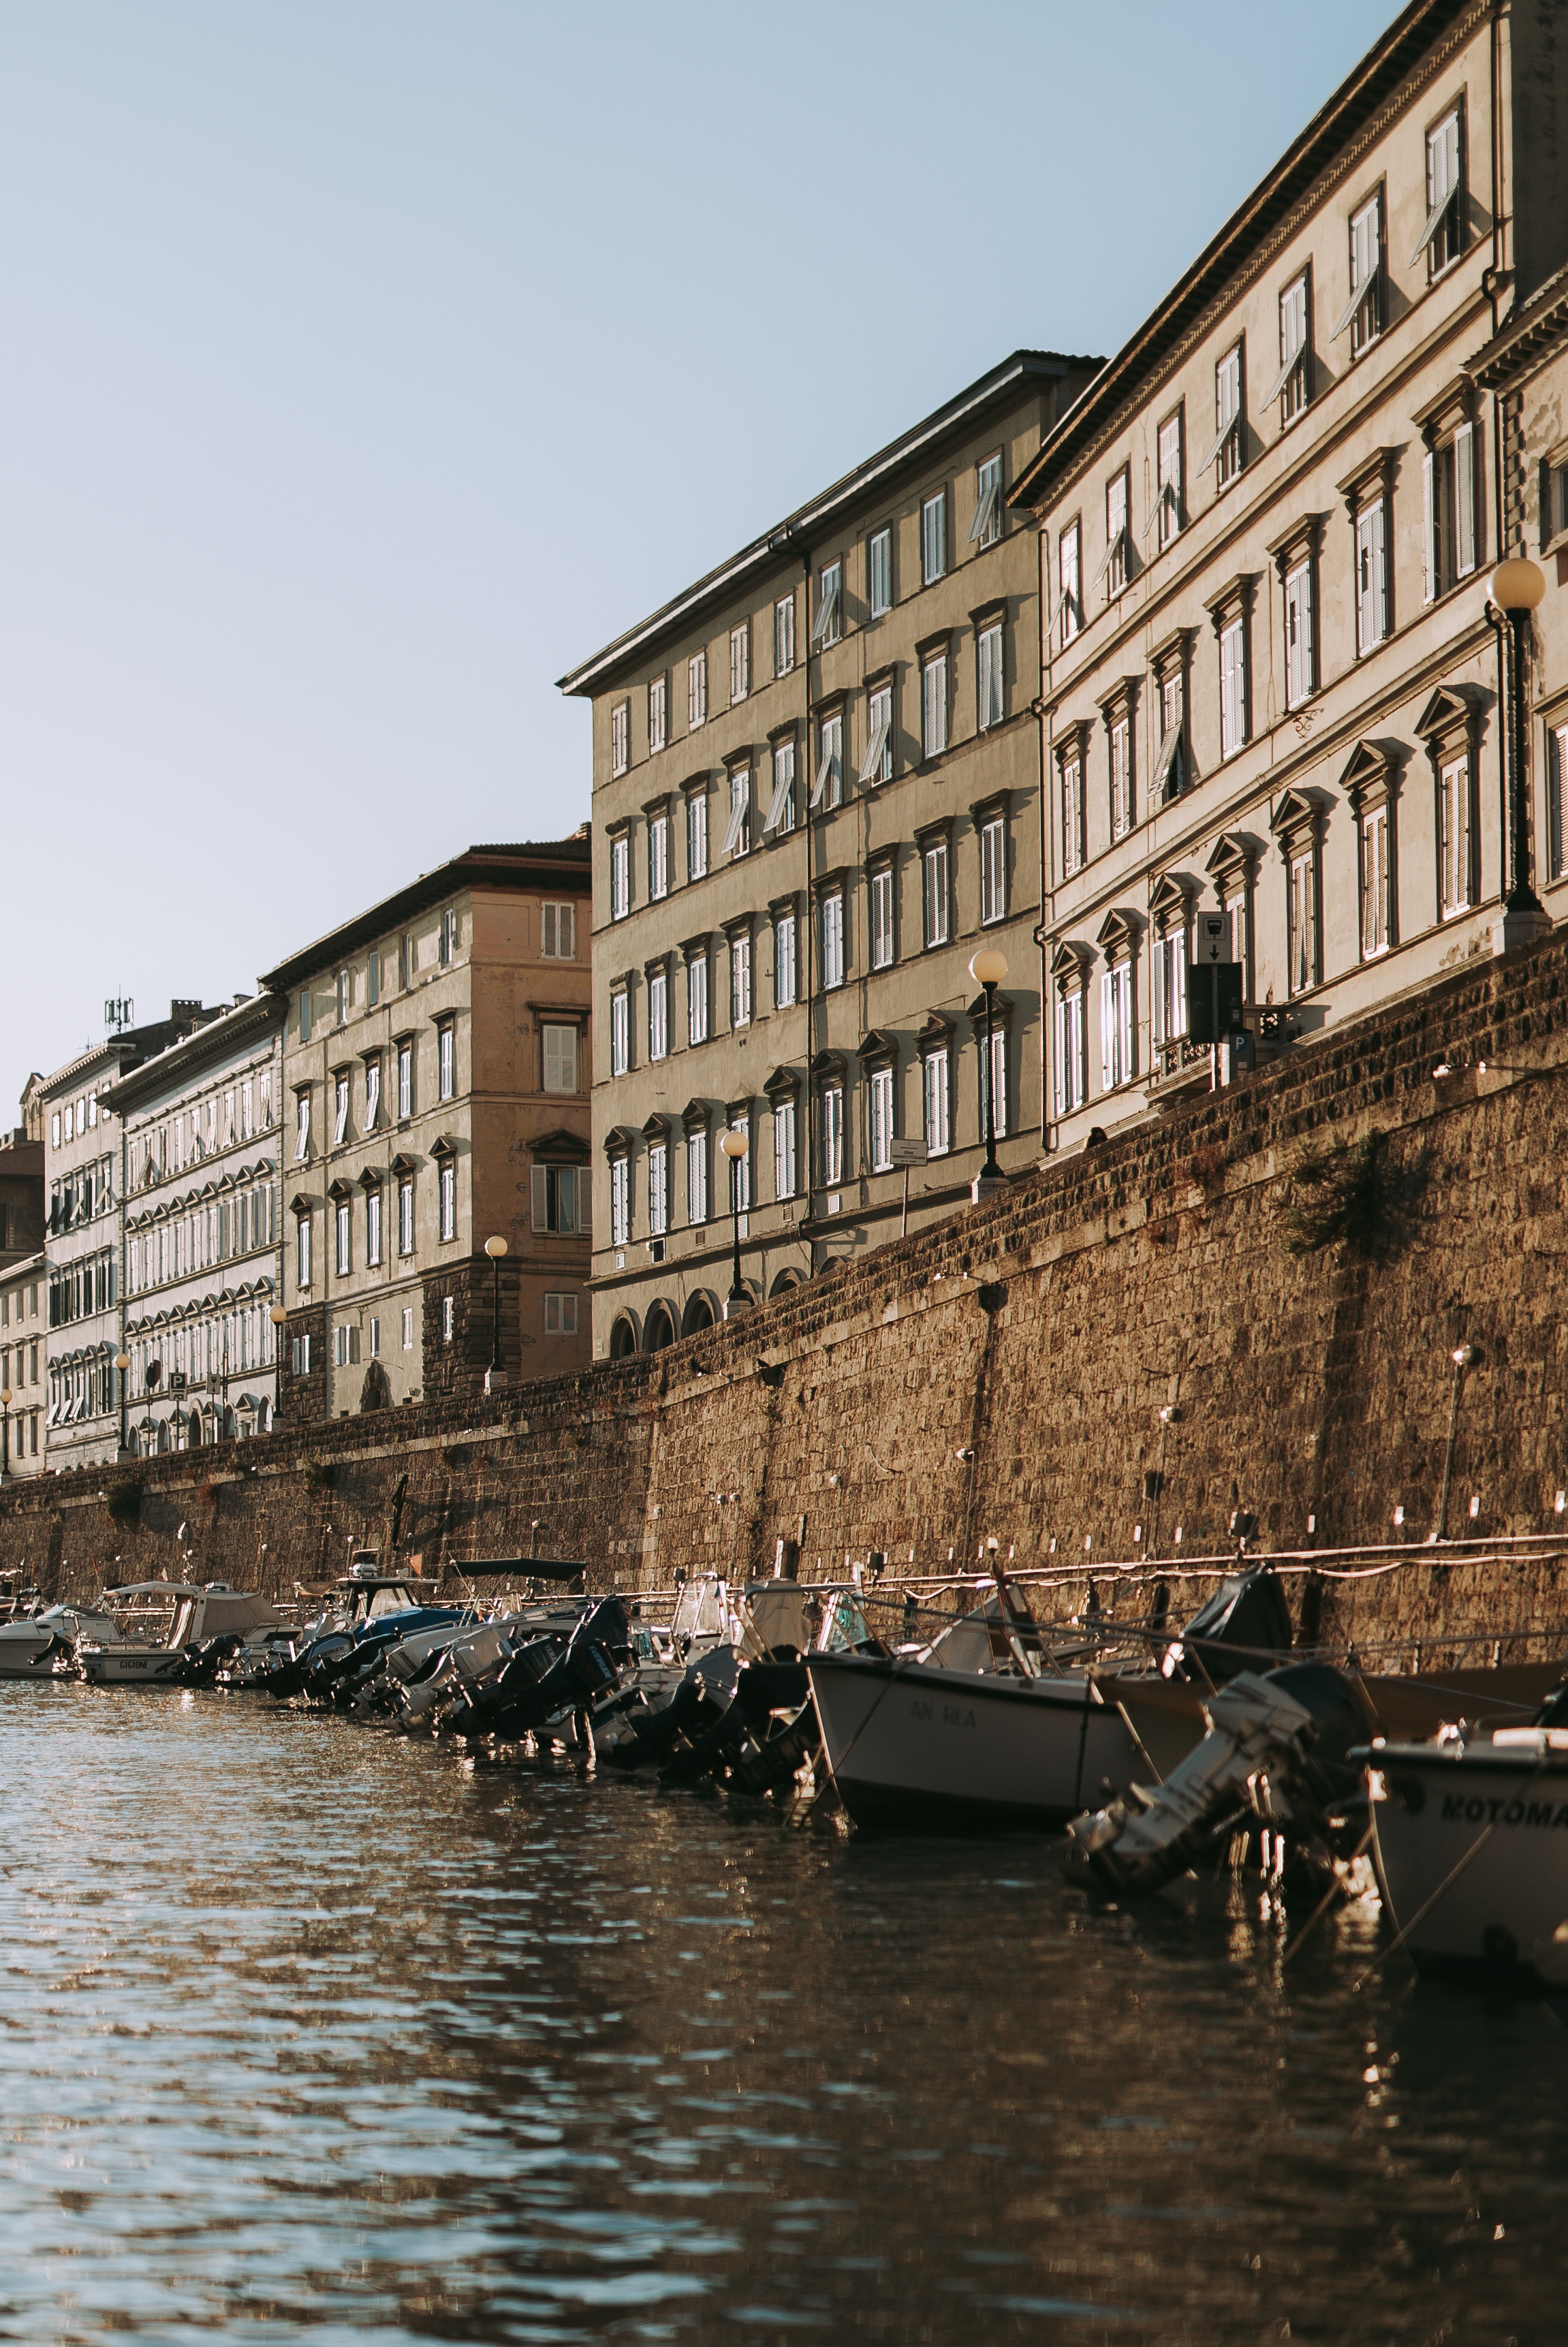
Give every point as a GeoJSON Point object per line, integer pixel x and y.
{"type": "Point", "coordinates": [1464, 499]}
{"type": "Point", "coordinates": [1428, 552]}
{"type": "Point", "coordinates": [540, 1200]}
{"type": "Point", "coordinates": [1107, 1034]}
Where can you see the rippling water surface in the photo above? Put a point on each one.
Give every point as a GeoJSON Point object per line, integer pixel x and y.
{"type": "Point", "coordinates": [305, 2028]}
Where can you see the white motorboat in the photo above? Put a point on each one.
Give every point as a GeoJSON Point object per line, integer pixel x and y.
{"type": "Point", "coordinates": [153, 1622]}
{"type": "Point", "coordinates": [43, 1646]}
{"type": "Point", "coordinates": [1471, 1846]}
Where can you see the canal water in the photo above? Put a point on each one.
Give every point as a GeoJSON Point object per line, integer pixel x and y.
{"type": "Point", "coordinates": [303, 2028]}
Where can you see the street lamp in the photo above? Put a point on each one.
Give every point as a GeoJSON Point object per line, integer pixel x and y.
{"type": "Point", "coordinates": [734, 1146]}
{"type": "Point", "coordinates": [278, 1316]}
{"type": "Point", "coordinates": [122, 1364]}
{"type": "Point", "coordinates": [1517, 586]}
{"type": "Point", "coordinates": [496, 1248]}
{"type": "Point", "coordinates": [6, 1398]}
{"type": "Point", "coordinates": [987, 968]}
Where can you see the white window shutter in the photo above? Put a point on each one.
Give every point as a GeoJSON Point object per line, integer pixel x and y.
{"type": "Point", "coordinates": [1429, 561]}
{"type": "Point", "coordinates": [1464, 498]}
{"type": "Point", "coordinates": [1107, 1032]}
{"type": "Point", "coordinates": [541, 1207]}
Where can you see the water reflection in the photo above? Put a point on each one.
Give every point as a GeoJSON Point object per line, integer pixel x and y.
{"type": "Point", "coordinates": [306, 2028]}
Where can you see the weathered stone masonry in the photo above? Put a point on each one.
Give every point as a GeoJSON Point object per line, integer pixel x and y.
{"type": "Point", "coordinates": [1002, 1375]}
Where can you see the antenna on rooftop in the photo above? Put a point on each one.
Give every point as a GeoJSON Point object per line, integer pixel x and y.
{"type": "Point", "coordinates": [119, 1014]}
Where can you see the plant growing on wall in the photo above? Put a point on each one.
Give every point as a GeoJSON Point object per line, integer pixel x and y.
{"type": "Point", "coordinates": [1348, 1196]}
{"type": "Point", "coordinates": [124, 1503]}
{"type": "Point", "coordinates": [317, 1474]}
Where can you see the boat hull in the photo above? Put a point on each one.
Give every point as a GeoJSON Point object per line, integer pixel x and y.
{"type": "Point", "coordinates": [911, 1746]}
{"type": "Point", "coordinates": [144, 1667]}
{"type": "Point", "coordinates": [19, 1661]}
{"type": "Point", "coordinates": [1504, 1914]}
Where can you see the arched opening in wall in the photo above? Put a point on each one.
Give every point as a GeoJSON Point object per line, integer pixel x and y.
{"type": "Point", "coordinates": [658, 1329]}
{"type": "Point", "coordinates": [263, 1415]}
{"type": "Point", "coordinates": [783, 1283]}
{"type": "Point", "coordinates": [622, 1339]}
{"type": "Point", "coordinates": [698, 1315]}
{"type": "Point", "coordinates": [224, 1430]}
{"type": "Point", "coordinates": [195, 1430]}
{"type": "Point", "coordinates": [163, 1442]}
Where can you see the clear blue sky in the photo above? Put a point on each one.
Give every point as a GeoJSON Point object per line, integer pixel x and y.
{"type": "Point", "coordinates": [363, 364]}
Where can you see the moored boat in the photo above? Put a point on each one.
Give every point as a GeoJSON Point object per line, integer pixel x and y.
{"type": "Point", "coordinates": [43, 1646]}
{"type": "Point", "coordinates": [154, 1623]}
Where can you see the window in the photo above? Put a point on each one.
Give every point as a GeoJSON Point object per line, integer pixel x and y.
{"type": "Point", "coordinates": [1070, 600]}
{"type": "Point", "coordinates": [697, 1177]}
{"type": "Point", "coordinates": [658, 1014]}
{"type": "Point", "coordinates": [738, 837]}
{"type": "Point", "coordinates": [1072, 770]}
{"type": "Point", "coordinates": [1171, 981]}
{"type": "Point", "coordinates": [993, 869]}
{"type": "Point", "coordinates": [448, 939]}
{"type": "Point", "coordinates": [1449, 480]}
{"type": "Point", "coordinates": [1443, 235]}
{"type": "Point", "coordinates": [696, 834]}
{"type": "Point", "coordinates": [696, 691]}
{"type": "Point", "coordinates": [933, 536]}
{"type": "Point", "coordinates": [658, 712]}
{"type": "Point", "coordinates": [934, 704]}
{"type": "Point", "coordinates": [783, 635]}
{"type": "Point", "coordinates": [373, 979]}
{"type": "Point", "coordinates": [373, 1227]}
{"type": "Point", "coordinates": [1168, 506]}
{"type": "Point", "coordinates": [832, 1134]}
{"type": "Point", "coordinates": [741, 981]}
{"type": "Point", "coordinates": [302, 1127]}
{"type": "Point", "coordinates": [620, 1032]}
{"type": "Point", "coordinates": [740, 1167]}
{"type": "Point", "coordinates": [303, 1251]}
{"type": "Point", "coordinates": [1116, 542]}
{"type": "Point", "coordinates": [339, 1110]}
{"type": "Point", "coordinates": [1375, 897]}
{"type": "Point", "coordinates": [1232, 685]}
{"type": "Point", "coordinates": [1118, 1065]}
{"type": "Point", "coordinates": [371, 1095]}
{"type": "Point", "coordinates": [344, 997]}
{"type": "Point", "coordinates": [405, 1214]}
{"type": "Point", "coordinates": [1170, 776]}
{"type": "Point", "coordinates": [1226, 454]}
{"type": "Point", "coordinates": [740, 661]}
{"type": "Point", "coordinates": [833, 939]}
{"type": "Point", "coordinates": [560, 1314]}
{"type": "Point", "coordinates": [879, 573]}
{"type": "Point", "coordinates": [878, 763]}
{"type": "Point", "coordinates": [344, 1239]}
{"type": "Point", "coordinates": [697, 998]}
{"type": "Point", "coordinates": [934, 905]}
{"type": "Point", "coordinates": [620, 737]}
{"type": "Point", "coordinates": [449, 1199]}
{"type": "Point", "coordinates": [374, 1339]}
{"type": "Point", "coordinates": [1303, 917]}
{"type": "Point", "coordinates": [997, 1076]}
{"type": "Point", "coordinates": [989, 705]}
{"type": "Point", "coordinates": [933, 1102]}
{"type": "Point", "coordinates": [1293, 387]}
{"type": "Point", "coordinates": [620, 1201]}
{"type": "Point", "coordinates": [447, 1061]}
{"type": "Point", "coordinates": [448, 1317]}
{"type": "Point", "coordinates": [621, 875]}
{"type": "Point", "coordinates": [1300, 650]}
{"type": "Point", "coordinates": [305, 1023]}
{"type": "Point", "coordinates": [658, 856]}
{"type": "Point", "coordinates": [781, 807]}
{"type": "Point", "coordinates": [829, 623]}
{"type": "Point", "coordinates": [827, 790]}
{"type": "Point", "coordinates": [784, 1151]}
{"type": "Point", "coordinates": [1556, 760]}
{"type": "Point", "coordinates": [784, 980]}
{"type": "Point", "coordinates": [658, 1188]}
{"type": "Point", "coordinates": [1364, 310]}
{"type": "Point", "coordinates": [1371, 576]}
{"type": "Point", "coordinates": [559, 1197]}
{"type": "Point", "coordinates": [881, 1108]}
{"type": "Point", "coordinates": [1071, 1068]}
{"type": "Point", "coordinates": [1454, 795]}
{"type": "Point", "coordinates": [1120, 746]}
{"type": "Point", "coordinates": [987, 526]}
{"type": "Point", "coordinates": [882, 918]}
{"type": "Point", "coordinates": [345, 1346]}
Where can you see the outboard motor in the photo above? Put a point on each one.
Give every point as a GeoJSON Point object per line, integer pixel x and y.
{"type": "Point", "coordinates": [1276, 1752]}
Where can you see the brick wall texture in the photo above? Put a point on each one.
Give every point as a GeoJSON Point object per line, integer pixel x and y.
{"type": "Point", "coordinates": [1001, 1376]}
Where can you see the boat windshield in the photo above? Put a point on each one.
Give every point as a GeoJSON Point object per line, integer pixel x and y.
{"type": "Point", "coordinates": [391, 1601]}
{"type": "Point", "coordinates": [144, 1617]}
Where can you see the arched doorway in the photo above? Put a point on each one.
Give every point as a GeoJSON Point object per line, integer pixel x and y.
{"type": "Point", "coordinates": [698, 1315]}
{"type": "Point", "coordinates": [622, 1339]}
{"type": "Point", "coordinates": [658, 1329]}
{"type": "Point", "coordinates": [783, 1283]}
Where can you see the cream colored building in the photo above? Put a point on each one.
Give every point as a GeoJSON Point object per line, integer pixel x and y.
{"type": "Point", "coordinates": [815, 795]}
{"type": "Point", "coordinates": [25, 1360]}
{"type": "Point", "coordinates": [1271, 682]}
{"type": "Point", "coordinates": [436, 1065]}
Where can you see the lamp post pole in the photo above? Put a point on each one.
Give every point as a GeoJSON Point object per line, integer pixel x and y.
{"type": "Point", "coordinates": [734, 1146]}
{"type": "Point", "coordinates": [987, 970]}
{"type": "Point", "coordinates": [278, 1316]}
{"type": "Point", "coordinates": [495, 1248]}
{"type": "Point", "coordinates": [122, 1370]}
{"type": "Point", "coordinates": [1516, 588]}
{"type": "Point", "coordinates": [6, 1398]}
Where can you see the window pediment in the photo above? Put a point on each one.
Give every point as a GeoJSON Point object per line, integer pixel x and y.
{"type": "Point", "coordinates": [403, 1163]}
{"type": "Point", "coordinates": [1371, 479]}
{"type": "Point", "coordinates": [560, 1143]}
{"type": "Point", "coordinates": [443, 1146]}
{"type": "Point", "coordinates": [783, 1084]}
{"type": "Point", "coordinates": [1072, 742]}
{"type": "Point", "coordinates": [936, 1029]}
{"type": "Point", "coordinates": [1232, 858]}
{"type": "Point", "coordinates": [1300, 815]}
{"type": "Point", "coordinates": [1234, 600]}
{"type": "Point", "coordinates": [1119, 699]}
{"type": "Point", "coordinates": [876, 1045]}
{"type": "Point", "coordinates": [1304, 538]}
{"type": "Point", "coordinates": [696, 1116]}
{"type": "Point", "coordinates": [339, 1190]}
{"type": "Point", "coordinates": [1454, 406]}
{"type": "Point", "coordinates": [1170, 899]}
{"type": "Point", "coordinates": [1069, 961]}
{"type": "Point", "coordinates": [300, 1204]}
{"type": "Point", "coordinates": [827, 1066]}
{"type": "Point", "coordinates": [620, 1141]}
{"type": "Point", "coordinates": [1119, 932]}
{"type": "Point", "coordinates": [1171, 656]}
{"type": "Point", "coordinates": [1002, 1012]}
{"type": "Point", "coordinates": [1371, 776]}
{"type": "Point", "coordinates": [1453, 709]}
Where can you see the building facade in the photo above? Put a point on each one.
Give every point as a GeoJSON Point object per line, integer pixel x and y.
{"type": "Point", "coordinates": [24, 1362]}
{"type": "Point", "coordinates": [21, 1196]}
{"type": "Point", "coordinates": [202, 1216]}
{"type": "Point", "coordinates": [84, 1173]}
{"type": "Point", "coordinates": [436, 1056]}
{"type": "Point", "coordinates": [815, 795]}
{"type": "Point", "coordinates": [1271, 681]}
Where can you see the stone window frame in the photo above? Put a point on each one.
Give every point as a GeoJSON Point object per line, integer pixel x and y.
{"type": "Point", "coordinates": [1071, 747]}
{"type": "Point", "coordinates": [997, 806]}
{"type": "Point", "coordinates": [1118, 937]}
{"type": "Point", "coordinates": [1172, 906]}
{"type": "Point", "coordinates": [738, 1116]}
{"type": "Point", "coordinates": [1452, 424]}
{"type": "Point", "coordinates": [1118, 709]}
{"type": "Point", "coordinates": [699, 948]}
{"type": "Point", "coordinates": [1171, 769]}
{"type": "Point", "coordinates": [1370, 484]}
{"type": "Point", "coordinates": [741, 930]}
{"type": "Point", "coordinates": [828, 1072]}
{"type": "Point", "coordinates": [783, 1090]}
{"type": "Point", "coordinates": [1002, 1009]}
{"type": "Point", "coordinates": [656, 811]}
{"type": "Point", "coordinates": [1232, 606]}
{"type": "Point", "coordinates": [697, 1124]}
{"type": "Point", "coordinates": [1371, 781]}
{"type": "Point", "coordinates": [1233, 865]}
{"type": "Point", "coordinates": [1300, 823]}
{"type": "Point", "coordinates": [659, 966]}
{"type": "Point", "coordinates": [656, 1136]}
{"type": "Point", "coordinates": [938, 833]}
{"type": "Point", "coordinates": [1070, 965]}
{"type": "Point", "coordinates": [882, 863]}
{"type": "Point", "coordinates": [937, 1036]}
{"type": "Point", "coordinates": [878, 1053]}
{"type": "Point", "coordinates": [1451, 722]}
{"type": "Point", "coordinates": [1299, 548]}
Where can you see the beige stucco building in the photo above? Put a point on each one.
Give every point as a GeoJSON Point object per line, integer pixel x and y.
{"type": "Point", "coordinates": [25, 1361]}
{"type": "Point", "coordinates": [815, 795]}
{"type": "Point", "coordinates": [436, 1058]}
{"type": "Point", "coordinates": [1271, 683]}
